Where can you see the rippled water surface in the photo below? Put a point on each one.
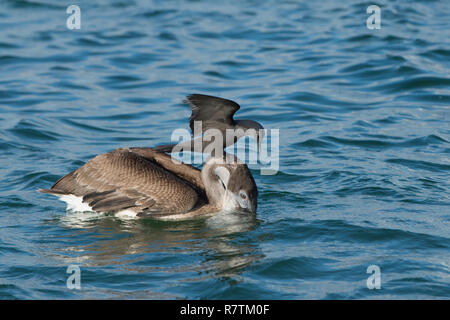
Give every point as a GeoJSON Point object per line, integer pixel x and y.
{"type": "Point", "coordinates": [364, 146]}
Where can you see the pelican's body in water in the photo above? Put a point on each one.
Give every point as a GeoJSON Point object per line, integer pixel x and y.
{"type": "Point", "coordinates": [143, 182]}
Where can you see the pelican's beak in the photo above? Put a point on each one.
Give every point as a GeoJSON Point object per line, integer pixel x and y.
{"type": "Point", "coordinates": [230, 201]}
{"type": "Point", "coordinates": [234, 203]}
{"type": "Point", "coordinates": [242, 205]}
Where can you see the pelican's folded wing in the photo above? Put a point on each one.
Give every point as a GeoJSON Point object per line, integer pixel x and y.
{"type": "Point", "coordinates": [180, 169]}
{"type": "Point", "coordinates": [122, 179]}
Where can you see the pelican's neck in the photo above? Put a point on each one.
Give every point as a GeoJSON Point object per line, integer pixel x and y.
{"type": "Point", "coordinates": [213, 187]}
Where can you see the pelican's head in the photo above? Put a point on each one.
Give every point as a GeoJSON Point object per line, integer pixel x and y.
{"type": "Point", "coordinates": [230, 185]}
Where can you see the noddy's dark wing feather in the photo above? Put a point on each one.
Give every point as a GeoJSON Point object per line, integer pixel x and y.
{"type": "Point", "coordinates": [124, 179]}
{"type": "Point", "coordinates": [214, 112]}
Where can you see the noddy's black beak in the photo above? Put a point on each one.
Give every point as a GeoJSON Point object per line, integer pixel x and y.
{"type": "Point", "coordinates": [259, 139]}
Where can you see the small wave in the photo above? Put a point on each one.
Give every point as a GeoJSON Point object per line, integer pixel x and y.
{"type": "Point", "coordinates": [36, 4]}
{"type": "Point", "coordinates": [420, 164]}
{"type": "Point", "coordinates": [315, 143]}
{"type": "Point", "coordinates": [87, 127]}
{"type": "Point", "coordinates": [342, 231]}
{"type": "Point", "coordinates": [384, 144]}
{"type": "Point", "coordinates": [294, 268]}
{"type": "Point", "coordinates": [414, 83]}
{"type": "Point", "coordinates": [33, 133]}
{"type": "Point", "coordinates": [156, 13]}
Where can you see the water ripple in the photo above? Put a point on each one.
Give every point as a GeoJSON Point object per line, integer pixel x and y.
{"type": "Point", "coordinates": [363, 117]}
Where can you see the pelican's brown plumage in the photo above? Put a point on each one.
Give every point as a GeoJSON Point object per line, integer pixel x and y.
{"type": "Point", "coordinates": [146, 182]}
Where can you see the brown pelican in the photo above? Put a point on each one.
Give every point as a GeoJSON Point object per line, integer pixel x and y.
{"type": "Point", "coordinates": [143, 182]}
{"type": "Point", "coordinates": [216, 113]}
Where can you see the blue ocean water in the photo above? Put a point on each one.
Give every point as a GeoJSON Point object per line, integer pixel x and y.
{"type": "Point", "coordinates": [364, 146]}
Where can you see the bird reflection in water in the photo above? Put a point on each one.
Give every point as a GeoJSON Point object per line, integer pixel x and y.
{"type": "Point", "coordinates": [135, 245]}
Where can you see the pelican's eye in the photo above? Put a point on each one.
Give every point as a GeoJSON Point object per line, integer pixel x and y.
{"type": "Point", "coordinates": [243, 195]}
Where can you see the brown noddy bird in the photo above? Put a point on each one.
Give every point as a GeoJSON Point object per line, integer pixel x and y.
{"type": "Point", "coordinates": [216, 113]}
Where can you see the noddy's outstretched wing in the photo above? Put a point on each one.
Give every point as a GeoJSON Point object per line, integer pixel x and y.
{"type": "Point", "coordinates": [214, 112]}
{"type": "Point", "coordinates": [122, 179]}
